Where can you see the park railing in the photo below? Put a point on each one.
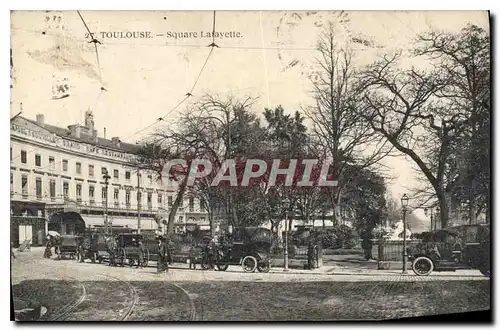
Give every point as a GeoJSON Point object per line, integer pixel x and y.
{"type": "Point", "coordinates": [391, 250]}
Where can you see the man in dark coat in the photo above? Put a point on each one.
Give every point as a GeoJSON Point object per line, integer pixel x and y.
{"type": "Point", "coordinates": [367, 244]}
{"type": "Point", "coordinates": [310, 253]}
{"type": "Point", "coordinates": [162, 255]}
{"type": "Point", "coordinates": [48, 249]}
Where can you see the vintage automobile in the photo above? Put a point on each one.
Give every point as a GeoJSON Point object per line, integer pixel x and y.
{"type": "Point", "coordinates": [128, 249]}
{"type": "Point", "coordinates": [450, 249]}
{"type": "Point", "coordinates": [69, 246]}
{"type": "Point", "coordinates": [96, 248]}
{"type": "Point", "coordinates": [249, 247]}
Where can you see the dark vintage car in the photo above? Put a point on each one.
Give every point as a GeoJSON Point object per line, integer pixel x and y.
{"type": "Point", "coordinates": [69, 246]}
{"type": "Point", "coordinates": [128, 249]}
{"type": "Point", "coordinates": [96, 247]}
{"type": "Point", "coordinates": [249, 247]}
{"type": "Point", "coordinates": [450, 249]}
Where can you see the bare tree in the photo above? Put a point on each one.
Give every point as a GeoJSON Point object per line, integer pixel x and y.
{"type": "Point", "coordinates": [337, 125]}
{"type": "Point", "coordinates": [423, 113]}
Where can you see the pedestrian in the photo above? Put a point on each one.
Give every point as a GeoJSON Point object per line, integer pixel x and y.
{"type": "Point", "coordinates": [12, 254]}
{"type": "Point", "coordinates": [57, 245]}
{"type": "Point", "coordinates": [81, 251]}
{"type": "Point", "coordinates": [141, 252]}
{"type": "Point", "coordinates": [192, 256]}
{"type": "Point", "coordinates": [210, 254]}
{"type": "Point", "coordinates": [48, 248]}
{"type": "Point", "coordinates": [162, 255]}
{"type": "Point", "coordinates": [367, 245]}
{"type": "Point", "coordinates": [111, 243]}
{"type": "Point", "coordinates": [310, 254]}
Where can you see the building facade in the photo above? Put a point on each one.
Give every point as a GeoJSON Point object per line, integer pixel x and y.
{"type": "Point", "coordinates": [58, 170]}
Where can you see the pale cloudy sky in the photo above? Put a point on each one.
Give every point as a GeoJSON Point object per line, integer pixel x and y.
{"type": "Point", "coordinates": [147, 77]}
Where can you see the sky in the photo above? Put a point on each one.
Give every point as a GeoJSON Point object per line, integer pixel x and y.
{"type": "Point", "coordinates": [266, 55]}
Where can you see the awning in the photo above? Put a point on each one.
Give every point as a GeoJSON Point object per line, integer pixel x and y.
{"type": "Point", "coordinates": [128, 222]}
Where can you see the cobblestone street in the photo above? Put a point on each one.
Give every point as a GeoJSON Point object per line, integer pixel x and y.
{"type": "Point", "coordinates": [85, 291]}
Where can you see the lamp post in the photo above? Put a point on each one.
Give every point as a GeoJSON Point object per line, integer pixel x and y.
{"type": "Point", "coordinates": [106, 178]}
{"type": "Point", "coordinates": [286, 206]}
{"type": "Point", "coordinates": [404, 204]}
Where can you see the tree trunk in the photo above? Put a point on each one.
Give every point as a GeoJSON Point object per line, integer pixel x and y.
{"type": "Point", "coordinates": [175, 206]}
{"type": "Point", "coordinates": [472, 214]}
{"type": "Point", "coordinates": [444, 212]}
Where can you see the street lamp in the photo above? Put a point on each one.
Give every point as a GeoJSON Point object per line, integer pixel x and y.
{"type": "Point", "coordinates": [106, 178]}
{"type": "Point", "coordinates": [431, 215]}
{"type": "Point", "coordinates": [286, 206]}
{"type": "Point", "coordinates": [404, 204]}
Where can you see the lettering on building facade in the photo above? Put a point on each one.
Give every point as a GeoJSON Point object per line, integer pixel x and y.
{"type": "Point", "coordinates": [55, 141]}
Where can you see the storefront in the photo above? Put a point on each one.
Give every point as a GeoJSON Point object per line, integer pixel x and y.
{"type": "Point", "coordinates": [27, 223]}
{"type": "Point", "coordinates": [27, 228]}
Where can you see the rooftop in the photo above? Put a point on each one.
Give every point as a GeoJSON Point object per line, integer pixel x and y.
{"type": "Point", "coordinates": [86, 134]}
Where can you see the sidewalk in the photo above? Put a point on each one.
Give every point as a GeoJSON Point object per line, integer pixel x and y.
{"type": "Point", "coordinates": [339, 270]}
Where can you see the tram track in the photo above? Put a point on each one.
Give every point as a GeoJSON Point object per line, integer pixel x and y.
{"type": "Point", "coordinates": [133, 291]}
{"type": "Point", "coordinates": [69, 308]}
{"type": "Point", "coordinates": [192, 313]}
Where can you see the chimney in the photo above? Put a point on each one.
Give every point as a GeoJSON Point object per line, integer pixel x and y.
{"type": "Point", "coordinates": [40, 119]}
{"type": "Point", "coordinates": [116, 141]}
{"type": "Point", "coordinates": [75, 130]}
{"type": "Point", "coordinates": [104, 133]}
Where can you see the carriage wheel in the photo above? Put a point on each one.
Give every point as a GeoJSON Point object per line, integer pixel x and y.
{"type": "Point", "coordinates": [422, 266]}
{"type": "Point", "coordinates": [264, 265]}
{"type": "Point", "coordinates": [145, 259]}
{"type": "Point", "coordinates": [249, 263]}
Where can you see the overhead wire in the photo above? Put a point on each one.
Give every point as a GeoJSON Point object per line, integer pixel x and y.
{"type": "Point", "coordinates": [95, 42]}
{"type": "Point", "coordinates": [190, 93]}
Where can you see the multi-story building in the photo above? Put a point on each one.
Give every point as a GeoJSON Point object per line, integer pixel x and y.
{"type": "Point", "coordinates": [58, 178]}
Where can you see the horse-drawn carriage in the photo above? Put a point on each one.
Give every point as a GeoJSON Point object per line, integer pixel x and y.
{"type": "Point", "coordinates": [249, 247]}
{"type": "Point", "coordinates": [68, 247]}
{"type": "Point", "coordinates": [461, 247]}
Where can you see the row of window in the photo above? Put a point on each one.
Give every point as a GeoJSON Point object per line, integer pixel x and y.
{"type": "Point", "coordinates": [78, 188]}
{"type": "Point", "coordinates": [78, 166]}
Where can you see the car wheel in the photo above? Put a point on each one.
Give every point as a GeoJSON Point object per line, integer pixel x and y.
{"type": "Point", "coordinates": [422, 266]}
{"type": "Point", "coordinates": [249, 263]}
{"type": "Point", "coordinates": [264, 266]}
